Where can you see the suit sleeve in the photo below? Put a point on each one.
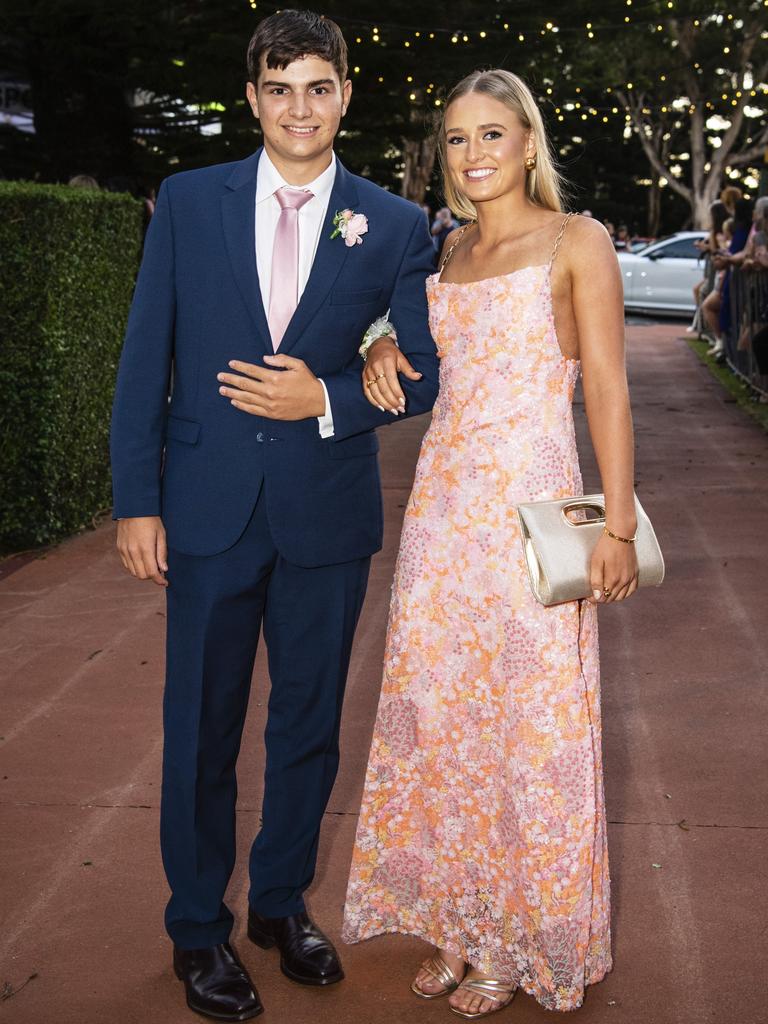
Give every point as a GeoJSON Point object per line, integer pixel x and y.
{"type": "Point", "coordinates": [352, 412]}
{"type": "Point", "coordinates": [140, 406]}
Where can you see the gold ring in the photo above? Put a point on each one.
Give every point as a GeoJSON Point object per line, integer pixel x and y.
{"type": "Point", "coordinates": [380, 377]}
{"type": "Point", "coordinates": [607, 591]}
{"type": "Point", "coordinates": [370, 383]}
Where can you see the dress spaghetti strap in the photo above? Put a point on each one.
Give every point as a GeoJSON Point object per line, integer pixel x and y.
{"type": "Point", "coordinates": [559, 238]}
{"type": "Point", "coordinates": [456, 241]}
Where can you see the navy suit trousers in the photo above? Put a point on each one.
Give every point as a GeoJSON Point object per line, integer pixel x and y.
{"type": "Point", "coordinates": [216, 606]}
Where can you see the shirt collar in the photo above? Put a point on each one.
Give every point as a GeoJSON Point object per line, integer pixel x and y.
{"type": "Point", "coordinates": [269, 180]}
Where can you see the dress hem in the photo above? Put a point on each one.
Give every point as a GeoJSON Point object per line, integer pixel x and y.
{"type": "Point", "coordinates": [595, 978]}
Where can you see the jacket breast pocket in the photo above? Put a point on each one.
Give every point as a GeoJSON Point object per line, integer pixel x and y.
{"type": "Point", "coordinates": [342, 297]}
{"type": "Point", "coordinates": [186, 431]}
{"type": "Point", "coordinates": [360, 444]}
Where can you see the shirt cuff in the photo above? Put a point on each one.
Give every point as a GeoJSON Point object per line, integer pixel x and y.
{"type": "Point", "coordinates": [325, 422]}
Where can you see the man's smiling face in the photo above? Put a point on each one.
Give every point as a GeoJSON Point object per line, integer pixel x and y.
{"type": "Point", "coordinates": [300, 108]}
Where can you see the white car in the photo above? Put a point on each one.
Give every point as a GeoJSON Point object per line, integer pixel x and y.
{"type": "Point", "coordinates": [660, 277]}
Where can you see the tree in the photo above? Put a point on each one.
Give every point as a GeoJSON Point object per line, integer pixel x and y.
{"type": "Point", "coordinates": [695, 98]}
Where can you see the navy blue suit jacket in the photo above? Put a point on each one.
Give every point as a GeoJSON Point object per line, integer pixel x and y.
{"type": "Point", "coordinates": [196, 460]}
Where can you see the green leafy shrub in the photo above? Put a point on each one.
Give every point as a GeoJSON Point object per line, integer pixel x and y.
{"type": "Point", "coordinates": [68, 262]}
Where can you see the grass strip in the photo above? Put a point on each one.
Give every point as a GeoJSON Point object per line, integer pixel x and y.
{"type": "Point", "coordinates": [735, 386]}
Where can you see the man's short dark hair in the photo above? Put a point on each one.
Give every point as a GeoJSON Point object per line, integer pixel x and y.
{"type": "Point", "coordinates": [289, 35]}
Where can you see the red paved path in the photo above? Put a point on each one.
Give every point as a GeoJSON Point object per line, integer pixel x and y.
{"type": "Point", "coordinates": [685, 738]}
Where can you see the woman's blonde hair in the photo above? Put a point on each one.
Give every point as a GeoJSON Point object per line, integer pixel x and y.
{"type": "Point", "coordinates": [544, 184]}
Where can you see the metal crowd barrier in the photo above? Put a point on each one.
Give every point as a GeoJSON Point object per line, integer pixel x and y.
{"type": "Point", "coordinates": [746, 341]}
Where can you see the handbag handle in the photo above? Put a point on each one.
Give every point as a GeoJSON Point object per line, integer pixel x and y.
{"type": "Point", "coordinates": [586, 505]}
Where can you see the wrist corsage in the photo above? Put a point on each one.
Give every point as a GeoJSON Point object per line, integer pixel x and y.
{"type": "Point", "coordinates": [381, 328]}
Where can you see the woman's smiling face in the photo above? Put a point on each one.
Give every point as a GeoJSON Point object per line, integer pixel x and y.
{"type": "Point", "coordinates": [486, 147]}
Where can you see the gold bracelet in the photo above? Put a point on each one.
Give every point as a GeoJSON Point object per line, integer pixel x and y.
{"type": "Point", "coordinates": [624, 540]}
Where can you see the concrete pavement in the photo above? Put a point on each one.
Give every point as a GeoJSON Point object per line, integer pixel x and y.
{"type": "Point", "coordinates": [685, 715]}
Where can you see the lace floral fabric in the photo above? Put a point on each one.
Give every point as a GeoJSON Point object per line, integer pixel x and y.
{"type": "Point", "coordinates": [482, 826]}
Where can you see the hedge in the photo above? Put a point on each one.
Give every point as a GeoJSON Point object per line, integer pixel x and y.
{"type": "Point", "coordinates": [68, 262]}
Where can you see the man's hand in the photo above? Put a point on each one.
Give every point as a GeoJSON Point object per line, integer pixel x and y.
{"type": "Point", "coordinates": [143, 549]}
{"type": "Point", "coordinates": [380, 381]}
{"type": "Point", "coordinates": [290, 393]}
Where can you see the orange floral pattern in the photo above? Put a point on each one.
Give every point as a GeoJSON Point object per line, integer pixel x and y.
{"type": "Point", "coordinates": [482, 827]}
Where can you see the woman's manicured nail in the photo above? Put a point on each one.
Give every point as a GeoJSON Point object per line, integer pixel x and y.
{"type": "Point", "coordinates": [597, 594]}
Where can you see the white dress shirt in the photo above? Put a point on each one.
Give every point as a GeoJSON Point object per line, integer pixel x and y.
{"type": "Point", "coordinates": [311, 220]}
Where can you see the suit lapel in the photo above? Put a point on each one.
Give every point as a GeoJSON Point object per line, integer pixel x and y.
{"type": "Point", "coordinates": [238, 211]}
{"type": "Point", "coordinates": [329, 259]}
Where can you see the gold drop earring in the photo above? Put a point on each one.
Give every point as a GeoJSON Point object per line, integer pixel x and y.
{"type": "Point", "coordinates": [530, 163]}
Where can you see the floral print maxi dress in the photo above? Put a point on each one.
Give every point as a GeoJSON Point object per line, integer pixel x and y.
{"type": "Point", "coordinates": [482, 827]}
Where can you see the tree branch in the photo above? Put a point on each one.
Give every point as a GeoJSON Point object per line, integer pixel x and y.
{"type": "Point", "coordinates": [753, 153]}
{"type": "Point", "coordinates": [721, 155]}
{"type": "Point", "coordinates": [634, 108]}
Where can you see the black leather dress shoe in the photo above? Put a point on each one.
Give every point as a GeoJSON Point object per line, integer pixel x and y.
{"type": "Point", "coordinates": [217, 984]}
{"type": "Point", "coordinates": [306, 955]}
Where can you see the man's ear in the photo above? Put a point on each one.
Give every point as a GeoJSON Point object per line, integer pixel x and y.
{"type": "Point", "coordinates": [253, 100]}
{"type": "Point", "coordinates": [346, 96]}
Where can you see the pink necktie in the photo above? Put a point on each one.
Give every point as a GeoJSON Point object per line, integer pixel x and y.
{"type": "Point", "coordinates": [284, 291]}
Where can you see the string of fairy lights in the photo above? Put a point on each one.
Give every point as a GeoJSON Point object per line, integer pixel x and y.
{"type": "Point", "coordinates": [411, 37]}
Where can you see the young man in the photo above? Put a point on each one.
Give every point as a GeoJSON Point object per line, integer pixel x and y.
{"type": "Point", "coordinates": [253, 495]}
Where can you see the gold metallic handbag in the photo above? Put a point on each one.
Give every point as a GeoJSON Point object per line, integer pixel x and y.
{"type": "Point", "coordinates": [559, 538]}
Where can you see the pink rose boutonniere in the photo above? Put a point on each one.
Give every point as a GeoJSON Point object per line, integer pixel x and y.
{"type": "Point", "coordinates": [350, 226]}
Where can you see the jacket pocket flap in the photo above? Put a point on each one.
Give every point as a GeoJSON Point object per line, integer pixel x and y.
{"type": "Point", "coordinates": [360, 444]}
{"type": "Point", "coordinates": [340, 297]}
{"type": "Point", "coordinates": [186, 431]}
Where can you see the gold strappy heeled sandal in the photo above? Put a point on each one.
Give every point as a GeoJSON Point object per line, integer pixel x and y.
{"type": "Point", "coordinates": [488, 988]}
{"type": "Point", "coordinates": [440, 971]}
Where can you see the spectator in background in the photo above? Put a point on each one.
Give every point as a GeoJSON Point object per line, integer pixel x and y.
{"type": "Point", "coordinates": [586, 213]}
{"type": "Point", "coordinates": [610, 227]}
{"type": "Point", "coordinates": [444, 224]}
{"type": "Point", "coordinates": [751, 309]}
{"type": "Point", "coordinates": [742, 224]}
{"type": "Point", "coordinates": [715, 243]}
{"type": "Point", "coordinates": [759, 262]}
{"type": "Point", "coordinates": [622, 242]}
{"type": "Point", "coordinates": [729, 197]}
{"type": "Point", "coordinates": [710, 308]}
{"type": "Point", "coordinates": [150, 198]}
{"type": "Point", "coordinates": [83, 181]}
{"type": "Point", "coordinates": [747, 253]}
{"type": "Point", "coordinates": [754, 256]}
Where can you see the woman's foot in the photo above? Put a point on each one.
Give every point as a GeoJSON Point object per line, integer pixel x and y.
{"type": "Point", "coordinates": [479, 995]}
{"type": "Point", "coordinates": [439, 975]}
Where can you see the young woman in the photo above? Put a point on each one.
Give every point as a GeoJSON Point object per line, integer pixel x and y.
{"type": "Point", "coordinates": [708, 247]}
{"type": "Point", "coordinates": [482, 828]}
{"type": "Point", "coordinates": [740, 230]}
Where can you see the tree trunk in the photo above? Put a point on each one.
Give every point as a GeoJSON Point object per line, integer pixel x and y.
{"type": "Point", "coordinates": [419, 164]}
{"type": "Point", "coordinates": [654, 206]}
{"type": "Point", "coordinates": [700, 207]}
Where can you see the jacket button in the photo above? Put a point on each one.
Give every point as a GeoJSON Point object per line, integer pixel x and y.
{"type": "Point", "coordinates": [259, 437]}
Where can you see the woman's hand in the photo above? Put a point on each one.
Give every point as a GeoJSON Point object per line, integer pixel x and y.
{"type": "Point", "coordinates": [380, 376]}
{"type": "Point", "coordinates": [613, 571]}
